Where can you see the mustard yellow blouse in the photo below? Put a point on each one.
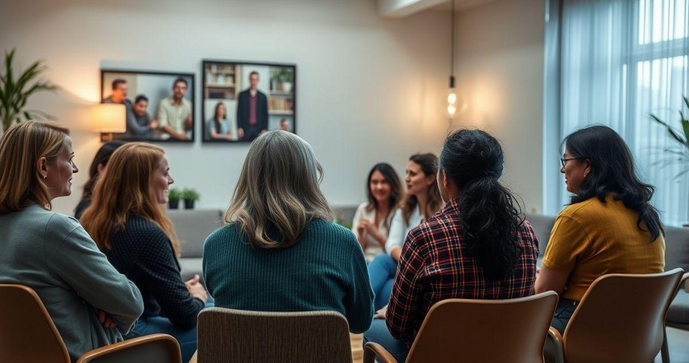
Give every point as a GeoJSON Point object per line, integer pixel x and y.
{"type": "Point", "coordinates": [591, 239]}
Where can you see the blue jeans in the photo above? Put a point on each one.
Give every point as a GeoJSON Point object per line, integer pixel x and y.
{"type": "Point", "coordinates": [381, 271]}
{"type": "Point", "coordinates": [379, 333]}
{"type": "Point", "coordinates": [563, 312]}
{"type": "Point", "coordinates": [158, 324]}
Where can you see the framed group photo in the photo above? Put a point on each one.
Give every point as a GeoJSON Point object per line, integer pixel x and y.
{"type": "Point", "coordinates": [241, 100]}
{"type": "Point", "coordinates": [159, 105]}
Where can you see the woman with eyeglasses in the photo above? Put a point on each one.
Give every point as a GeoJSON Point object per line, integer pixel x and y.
{"type": "Point", "coordinates": [609, 226]}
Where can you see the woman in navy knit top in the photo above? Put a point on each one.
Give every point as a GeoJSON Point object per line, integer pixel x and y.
{"type": "Point", "coordinates": [128, 223]}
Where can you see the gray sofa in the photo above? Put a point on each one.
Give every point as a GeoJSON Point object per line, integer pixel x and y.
{"type": "Point", "coordinates": [192, 228]}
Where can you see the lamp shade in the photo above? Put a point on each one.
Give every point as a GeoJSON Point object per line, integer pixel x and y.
{"type": "Point", "coordinates": [109, 118]}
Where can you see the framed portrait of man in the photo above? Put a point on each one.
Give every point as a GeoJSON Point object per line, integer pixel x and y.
{"type": "Point", "coordinates": [242, 100]}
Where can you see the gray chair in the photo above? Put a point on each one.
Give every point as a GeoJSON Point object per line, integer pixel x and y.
{"type": "Point", "coordinates": [466, 330]}
{"type": "Point", "coordinates": [228, 335]}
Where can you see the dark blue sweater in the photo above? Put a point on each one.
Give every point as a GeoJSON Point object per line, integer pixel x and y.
{"type": "Point", "coordinates": [144, 254]}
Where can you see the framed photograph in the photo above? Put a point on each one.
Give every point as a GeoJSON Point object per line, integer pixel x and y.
{"type": "Point", "coordinates": [159, 105]}
{"type": "Point", "coordinates": [241, 100]}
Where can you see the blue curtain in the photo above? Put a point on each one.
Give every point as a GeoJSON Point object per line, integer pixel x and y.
{"type": "Point", "coordinates": [615, 62]}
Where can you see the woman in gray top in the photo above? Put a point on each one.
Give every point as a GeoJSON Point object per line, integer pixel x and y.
{"type": "Point", "coordinates": [91, 303]}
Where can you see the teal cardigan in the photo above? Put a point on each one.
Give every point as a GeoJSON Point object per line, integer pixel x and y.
{"type": "Point", "coordinates": [324, 270]}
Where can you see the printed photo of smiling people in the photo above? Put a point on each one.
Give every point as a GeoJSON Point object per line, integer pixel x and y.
{"type": "Point", "coordinates": [159, 106]}
{"type": "Point", "coordinates": [242, 100]}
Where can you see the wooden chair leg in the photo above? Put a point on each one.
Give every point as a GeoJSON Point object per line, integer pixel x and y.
{"type": "Point", "coordinates": [665, 351]}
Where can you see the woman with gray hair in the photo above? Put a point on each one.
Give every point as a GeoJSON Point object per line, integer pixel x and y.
{"type": "Point", "coordinates": [279, 250]}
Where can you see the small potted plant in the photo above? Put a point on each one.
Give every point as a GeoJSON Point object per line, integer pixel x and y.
{"type": "Point", "coordinates": [190, 196]}
{"type": "Point", "coordinates": [173, 197]}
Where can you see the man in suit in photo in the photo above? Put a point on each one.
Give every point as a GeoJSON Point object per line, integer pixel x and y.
{"type": "Point", "coordinates": [252, 111]}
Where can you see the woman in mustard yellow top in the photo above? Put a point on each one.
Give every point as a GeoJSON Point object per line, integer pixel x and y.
{"type": "Point", "coordinates": [609, 227]}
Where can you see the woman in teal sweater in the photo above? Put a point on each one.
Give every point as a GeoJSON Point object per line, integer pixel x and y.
{"type": "Point", "coordinates": [279, 250]}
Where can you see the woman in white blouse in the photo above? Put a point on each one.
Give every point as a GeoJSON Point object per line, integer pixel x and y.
{"type": "Point", "coordinates": [422, 201]}
{"type": "Point", "coordinates": [372, 219]}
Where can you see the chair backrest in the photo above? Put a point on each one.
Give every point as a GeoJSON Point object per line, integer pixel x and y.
{"type": "Point", "coordinates": [621, 318]}
{"type": "Point", "coordinates": [228, 335]}
{"type": "Point", "coordinates": [27, 332]}
{"type": "Point", "coordinates": [465, 330]}
{"type": "Point", "coordinates": [155, 348]}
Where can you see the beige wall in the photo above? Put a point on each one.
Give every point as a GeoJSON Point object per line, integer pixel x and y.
{"type": "Point", "coordinates": [499, 68]}
{"type": "Point", "coordinates": [369, 89]}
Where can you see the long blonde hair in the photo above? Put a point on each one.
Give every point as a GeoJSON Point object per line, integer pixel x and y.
{"type": "Point", "coordinates": [20, 148]}
{"type": "Point", "coordinates": [278, 191]}
{"type": "Point", "coordinates": [126, 187]}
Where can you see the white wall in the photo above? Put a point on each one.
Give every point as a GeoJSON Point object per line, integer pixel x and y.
{"type": "Point", "coordinates": [369, 89]}
{"type": "Point", "coordinates": [499, 68]}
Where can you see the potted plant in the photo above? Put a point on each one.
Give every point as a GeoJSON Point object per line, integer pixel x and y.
{"type": "Point", "coordinates": [284, 78]}
{"type": "Point", "coordinates": [190, 196]}
{"type": "Point", "coordinates": [173, 197]}
{"type": "Point", "coordinates": [15, 91]}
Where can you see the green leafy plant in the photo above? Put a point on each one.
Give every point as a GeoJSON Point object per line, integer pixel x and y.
{"type": "Point", "coordinates": [174, 195]}
{"type": "Point", "coordinates": [190, 194]}
{"type": "Point", "coordinates": [679, 153]}
{"type": "Point", "coordinates": [14, 92]}
{"type": "Point", "coordinates": [282, 75]}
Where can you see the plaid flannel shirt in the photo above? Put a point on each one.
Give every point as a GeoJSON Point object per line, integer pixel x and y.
{"type": "Point", "coordinates": [435, 265]}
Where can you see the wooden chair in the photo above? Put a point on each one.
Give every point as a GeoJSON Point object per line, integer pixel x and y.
{"type": "Point", "coordinates": [28, 334]}
{"type": "Point", "coordinates": [464, 330]}
{"type": "Point", "coordinates": [620, 319]}
{"type": "Point", "coordinates": [665, 352]}
{"type": "Point", "coordinates": [228, 335]}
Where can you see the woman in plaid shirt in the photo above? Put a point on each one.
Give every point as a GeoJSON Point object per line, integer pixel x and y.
{"type": "Point", "coordinates": [477, 247]}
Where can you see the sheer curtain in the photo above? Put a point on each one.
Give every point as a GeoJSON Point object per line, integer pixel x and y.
{"type": "Point", "coordinates": [615, 62]}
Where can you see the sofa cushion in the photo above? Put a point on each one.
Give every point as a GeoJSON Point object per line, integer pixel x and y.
{"type": "Point", "coordinates": [542, 225]}
{"type": "Point", "coordinates": [193, 227]}
{"type": "Point", "coordinates": [679, 309]}
{"type": "Point", "coordinates": [191, 267]}
{"type": "Point", "coordinates": [676, 248]}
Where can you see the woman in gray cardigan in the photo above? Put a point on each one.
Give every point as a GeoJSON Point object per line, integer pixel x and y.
{"type": "Point", "coordinates": [91, 303]}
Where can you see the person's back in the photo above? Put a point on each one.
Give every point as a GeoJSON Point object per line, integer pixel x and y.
{"type": "Point", "coordinates": [53, 255]}
{"type": "Point", "coordinates": [592, 239]}
{"type": "Point", "coordinates": [91, 304]}
{"type": "Point", "coordinates": [324, 270]}
{"type": "Point", "coordinates": [279, 251]}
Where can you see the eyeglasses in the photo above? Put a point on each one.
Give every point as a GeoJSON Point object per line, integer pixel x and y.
{"type": "Point", "coordinates": [565, 160]}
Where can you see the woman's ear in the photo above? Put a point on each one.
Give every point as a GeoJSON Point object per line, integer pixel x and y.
{"type": "Point", "coordinates": [42, 167]}
{"type": "Point", "coordinates": [587, 168]}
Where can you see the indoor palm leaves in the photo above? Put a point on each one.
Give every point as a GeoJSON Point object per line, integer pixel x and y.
{"type": "Point", "coordinates": [15, 91]}
{"type": "Point", "coordinates": [679, 153]}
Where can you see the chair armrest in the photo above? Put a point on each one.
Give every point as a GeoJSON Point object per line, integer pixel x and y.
{"type": "Point", "coordinates": [127, 344]}
{"type": "Point", "coordinates": [373, 350]}
{"type": "Point", "coordinates": [553, 350]}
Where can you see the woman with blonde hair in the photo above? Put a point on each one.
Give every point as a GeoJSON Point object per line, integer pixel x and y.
{"type": "Point", "coordinates": [90, 303]}
{"type": "Point", "coordinates": [279, 250]}
{"type": "Point", "coordinates": [128, 223]}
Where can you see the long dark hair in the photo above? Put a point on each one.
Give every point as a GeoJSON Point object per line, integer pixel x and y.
{"type": "Point", "coordinates": [612, 171]}
{"type": "Point", "coordinates": [489, 213]}
{"type": "Point", "coordinates": [393, 180]}
{"type": "Point", "coordinates": [216, 119]}
{"type": "Point", "coordinates": [102, 157]}
{"type": "Point", "coordinates": [429, 165]}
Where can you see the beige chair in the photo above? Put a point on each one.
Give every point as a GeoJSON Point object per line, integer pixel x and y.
{"type": "Point", "coordinates": [669, 319]}
{"type": "Point", "coordinates": [228, 335]}
{"type": "Point", "coordinates": [620, 319]}
{"type": "Point", "coordinates": [28, 334]}
{"type": "Point", "coordinates": [463, 330]}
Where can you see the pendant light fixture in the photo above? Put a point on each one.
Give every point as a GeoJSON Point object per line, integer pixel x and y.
{"type": "Point", "coordinates": [451, 95]}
